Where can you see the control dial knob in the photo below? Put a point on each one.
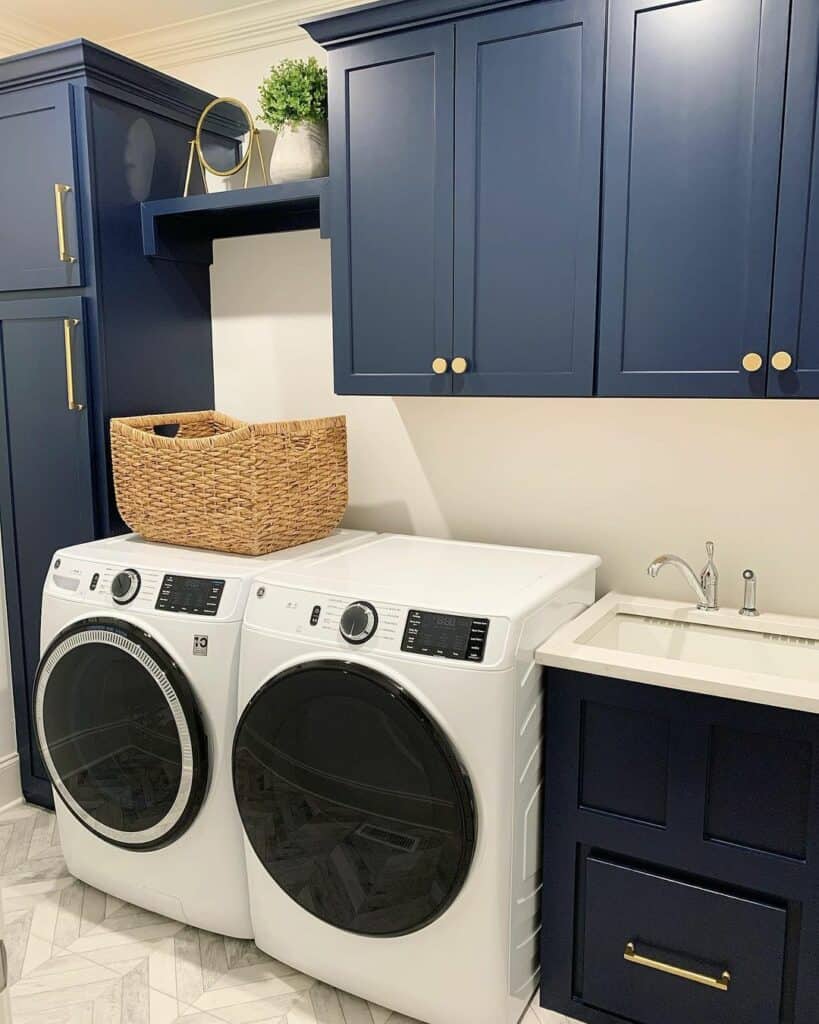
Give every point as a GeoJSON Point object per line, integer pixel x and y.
{"type": "Point", "coordinates": [125, 586]}
{"type": "Point", "coordinates": [359, 621]}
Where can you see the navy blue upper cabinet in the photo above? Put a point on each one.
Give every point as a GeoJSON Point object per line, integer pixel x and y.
{"type": "Point", "coordinates": [391, 152]}
{"type": "Point", "coordinates": [39, 236]}
{"type": "Point", "coordinates": [465, 202]}
{"type": "Point", "coordinates": [795, 320]}
{"type": "Point", "coordinates": [693, 122]}
{"type": "Point", "coordinates": [528, 111]}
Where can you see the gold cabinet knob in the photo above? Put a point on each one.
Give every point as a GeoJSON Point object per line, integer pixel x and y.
{"type": "Point", "coordinates": [752, 361]}
{"type": "Point", "coordinates": [459, 365]}
{"type": "Point", "coordinates": [781, 360]}
{"type": "Point", "coordinates": [440, 365]}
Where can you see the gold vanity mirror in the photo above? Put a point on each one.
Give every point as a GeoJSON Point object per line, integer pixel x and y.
{"type": "Point", "coordinates": [225, 141]}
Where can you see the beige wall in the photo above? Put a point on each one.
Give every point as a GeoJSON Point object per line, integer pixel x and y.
{"type": "Point", "coordinates": [627, 479]}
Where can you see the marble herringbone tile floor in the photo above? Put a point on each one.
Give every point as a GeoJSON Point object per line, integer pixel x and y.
{"type": "Point", "coordinates": [78, 956]}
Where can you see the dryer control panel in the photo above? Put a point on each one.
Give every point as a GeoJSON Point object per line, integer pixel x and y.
{"type": "Point", "coordinates": [370, 626]}
{"type": "Point", "coordinates": [445, 636]}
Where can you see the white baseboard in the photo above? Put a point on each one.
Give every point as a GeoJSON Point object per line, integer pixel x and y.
{"type": "Point", "coordinates": [11, 792]}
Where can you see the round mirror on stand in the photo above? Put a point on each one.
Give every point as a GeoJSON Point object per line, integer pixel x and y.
{"type": "Point", "coordinates": [225, 141]}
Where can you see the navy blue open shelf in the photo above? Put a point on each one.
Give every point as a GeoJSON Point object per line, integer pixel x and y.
{"type": "Point", "coordinates": [184, 228]}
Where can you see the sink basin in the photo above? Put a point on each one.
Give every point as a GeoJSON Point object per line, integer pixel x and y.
{"type": "Point", "coordinates": [771, 659]}
{"type": "Point", "coordinates": [743, 649]}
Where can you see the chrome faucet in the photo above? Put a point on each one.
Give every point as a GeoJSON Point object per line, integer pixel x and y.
{"type": "Point", "coordinates": [705, 587]}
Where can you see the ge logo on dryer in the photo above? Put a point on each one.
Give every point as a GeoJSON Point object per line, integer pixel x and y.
{"type": "Point", "coordinates": [200, 646]}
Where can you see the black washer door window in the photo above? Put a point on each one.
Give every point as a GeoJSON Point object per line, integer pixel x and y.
{"type": "Point", "coordinates": [353, 798]}
{"type": "Point", "coordinates": [120, 733]}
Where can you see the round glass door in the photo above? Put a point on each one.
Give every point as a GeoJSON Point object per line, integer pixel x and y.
{"type": "Point", "coordinates": [120, 733]}
{"type": "Point", "coordinates": [353, 798]}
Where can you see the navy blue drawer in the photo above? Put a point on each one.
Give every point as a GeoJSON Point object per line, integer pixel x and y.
{"type": "Point", "coordinates": [640, 928]}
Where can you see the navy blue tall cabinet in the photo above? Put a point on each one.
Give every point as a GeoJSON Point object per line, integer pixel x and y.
{"type": "Point", "coordinates": [89, 328]}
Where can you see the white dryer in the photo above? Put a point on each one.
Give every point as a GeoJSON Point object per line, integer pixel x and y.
{"type": "Point", "coordinates": [135, 707]}
{"type": "Point", "coordinates": [387, 768]}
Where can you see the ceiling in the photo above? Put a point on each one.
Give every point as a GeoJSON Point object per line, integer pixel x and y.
{"type": "Point", "coordinates": [162, 32]}
{"type": "Point", "coordinates": [106, 20]}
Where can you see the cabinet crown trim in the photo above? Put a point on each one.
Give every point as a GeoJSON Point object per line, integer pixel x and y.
{"type": "Point", "coordinates": [79, 58]}
{"type": "Point", "coordinates": [384, 15]}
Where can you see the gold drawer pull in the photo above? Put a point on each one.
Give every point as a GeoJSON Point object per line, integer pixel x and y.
{"type": "Point", "coordinates": [440, 365]}
{"type": "Point", "coordinates": [781, 361]}
{"type": "Point", "coordinates": [65, 255]}
{"type": "Point", "coordinates": [633, 957]}
{"type": "Point", "coordinates": [459, 365]}
{"type": "Point", "coordinates": [68, 326]}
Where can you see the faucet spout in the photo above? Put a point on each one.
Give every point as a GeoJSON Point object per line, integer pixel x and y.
{"type": "Point", "coordinates": [704, 602]}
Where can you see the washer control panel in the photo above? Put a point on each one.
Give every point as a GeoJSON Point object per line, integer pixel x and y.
{"type": "Point", "coordinates": [445, 636]}
{"type": "Point", "coordinates": [190, 594]}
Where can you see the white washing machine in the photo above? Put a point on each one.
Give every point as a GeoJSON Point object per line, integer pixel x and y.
{"type": "Point", "coordinates": [135, 707]}
{"type": "Point", "coordinates": [387, 768]}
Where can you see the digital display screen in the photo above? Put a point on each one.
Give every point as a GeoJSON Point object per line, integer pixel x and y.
{"type": "Point", "coordinates": [445, 636]}
{"type": "Point", "coordinates": [191, 594]}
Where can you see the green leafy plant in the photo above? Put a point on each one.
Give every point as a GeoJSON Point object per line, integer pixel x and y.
{"type": "Point", "coordinates": [295, 91]}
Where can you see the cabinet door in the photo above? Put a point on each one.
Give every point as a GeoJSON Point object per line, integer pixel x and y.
{"type": "Point", "coordinates": [39, 235]}
{"type": "Point", "coordinates": [391, 150]}
{"type": "Point", "coordinates": [795, 320]}
{"type": "Point", "coordinates": [692, 129]}
{"type": "Point", "coordinates": [528, 121]}
{"type": "Point", "coordinates": [45, 480]}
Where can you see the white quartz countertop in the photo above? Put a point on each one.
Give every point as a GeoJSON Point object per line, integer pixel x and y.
{"type": "Point", "coordinates": [768, 659]}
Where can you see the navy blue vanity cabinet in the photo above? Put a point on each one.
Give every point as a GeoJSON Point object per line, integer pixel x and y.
{"type": "Point", "coordinates": [528, 113]}
{"type": "Point", "coordinates": [694, 97]}
{"type": "Point", "coordinates": [391, 152]}
{"type": "Point", "coordinates": [86, 135]}
{"type": "Point", "coordinates": [680, 857]}
{"type": "Point", "coordinates": [794, 348]}
{"type": "Point", "coordinates": [46, 489]}
{"type": "Point", "coordinates": [39, 228]}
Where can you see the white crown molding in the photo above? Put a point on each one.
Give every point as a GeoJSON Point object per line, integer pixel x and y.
{"type": "Point", "coordinates": [19, 34]}
{"type": "Point", "coordinates": [254, 26]}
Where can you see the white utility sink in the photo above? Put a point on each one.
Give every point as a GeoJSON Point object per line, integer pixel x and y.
{"type": "Point", "coordinates": [770, 659]}
{"type": "Point", "coordinates": [744, 649]}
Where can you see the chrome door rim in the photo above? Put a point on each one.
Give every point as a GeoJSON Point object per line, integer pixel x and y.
{"type": "Point", "coordinates": [123, 643]}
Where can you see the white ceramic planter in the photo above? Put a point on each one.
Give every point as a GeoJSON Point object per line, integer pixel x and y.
{"type": "Point", "coordinates": [299, 152]}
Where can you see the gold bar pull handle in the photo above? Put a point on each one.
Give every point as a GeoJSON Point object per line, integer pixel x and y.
{"type": "Point", "coordinates": [633, 957]}
{"type": "Point", "coordinates": [68, 327]}
{"type": "Point", "coordinates": [65, 255]}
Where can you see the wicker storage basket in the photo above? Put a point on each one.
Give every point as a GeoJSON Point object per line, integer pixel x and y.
{"type": "Point", "coordinates": [230, 486]}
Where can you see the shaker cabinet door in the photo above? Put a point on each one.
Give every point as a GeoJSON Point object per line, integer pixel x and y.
{"type": "Point", "coordinates": [39, 206]}
{"type": "Point", "coordinates": [391, 146]}
{"type": "Point", "coordinates": [46, 498]}
{"type": "Point", "coordinates": [794, 350]}
{"type": "Point", "coordinates": [693, 129]}
{"type": "Point", "coordinates": [528, 123]}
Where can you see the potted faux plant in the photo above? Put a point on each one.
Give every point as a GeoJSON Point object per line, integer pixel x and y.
{"type": "Point", "coordinates": [293, 101]}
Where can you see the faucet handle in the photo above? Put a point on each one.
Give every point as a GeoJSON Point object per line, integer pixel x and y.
{"type": "Point", "coordinates": [709, 577]}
